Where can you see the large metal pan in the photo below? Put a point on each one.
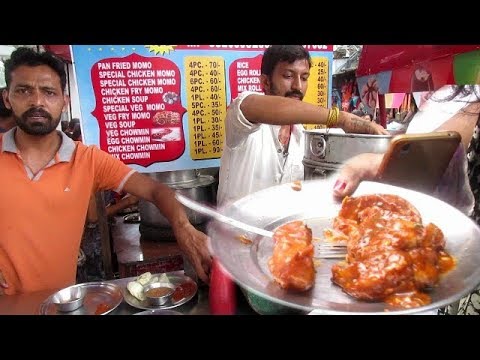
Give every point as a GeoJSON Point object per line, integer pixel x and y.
{"type": "Point", "coordinates": [274, 206]}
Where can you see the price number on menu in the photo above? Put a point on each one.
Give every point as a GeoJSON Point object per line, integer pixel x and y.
{"type": "Point", "coordinates": [207, 104]}
{"type": "Point", "coordinates": [318, 82]}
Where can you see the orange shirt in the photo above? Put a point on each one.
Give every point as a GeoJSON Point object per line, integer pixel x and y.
{"type": "Point", "coordinates": [42, 217]}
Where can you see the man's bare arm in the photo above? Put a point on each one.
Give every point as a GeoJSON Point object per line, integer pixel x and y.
{"type": "Point", "coordinates": [278, 110]}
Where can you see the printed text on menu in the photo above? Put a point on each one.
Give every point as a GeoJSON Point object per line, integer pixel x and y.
{"type": "Point", "coordinates": [138, 108]}
{"type": "Point", "coordinates": [206, 96]}
{"type": "Point", "coordinates": [317, 92]}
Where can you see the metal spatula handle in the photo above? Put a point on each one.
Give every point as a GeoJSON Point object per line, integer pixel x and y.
{"type": "Point", "coordinates": [211, 212]}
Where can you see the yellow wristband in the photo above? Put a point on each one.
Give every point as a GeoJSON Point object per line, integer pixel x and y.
{"type": "Point", "coordinates": [332, 118]}
{"type": "Point", "coordinates": [329, 116]}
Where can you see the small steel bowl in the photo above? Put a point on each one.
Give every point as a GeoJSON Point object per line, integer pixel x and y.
{"type": "Point", "coordinates": [70, 298]}
{"type": "Point", "coordinates": [157, 294]}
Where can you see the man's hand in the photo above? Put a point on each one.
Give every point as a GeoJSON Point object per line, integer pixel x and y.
{"type": "Point", "coordinates": [194, 245]}
{"type": "Point", "coordinates": [130, 200]}
{"type": "Point", "coordinates": [3, 284]}
{"type": "Point", "coordinates": [192, 242]}
{"type": "Point", "coordinates": [351, 123]}
{"type": "Point", "coordinates": [356, 169]}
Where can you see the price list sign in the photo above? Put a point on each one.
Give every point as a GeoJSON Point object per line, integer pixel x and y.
{"type": "Point", "coordinates": [245, 75]}
{"type": "Point", "coordinates": [317, 92]}
{"type": "Point", "coordinates": [206, 105]}
{"type": "Point", "coordinates": [138, 109]}
{"type": "Point", "coordinates": [162, 107]}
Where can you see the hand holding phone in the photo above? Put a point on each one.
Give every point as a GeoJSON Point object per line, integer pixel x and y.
{"type": "Point", "coordinates": [418, 161]}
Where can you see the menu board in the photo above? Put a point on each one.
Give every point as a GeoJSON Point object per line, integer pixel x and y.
{"type": "Point", "coordinates": [317, 92]}
{"type": "Point", "coordinates": [163, 107]}
{"type": "Point", "coordinates": [138, 103]}
{"type": "Point", "coordinates": [245, 75]}
{"type": "Point", "coordinates": [207, 103]}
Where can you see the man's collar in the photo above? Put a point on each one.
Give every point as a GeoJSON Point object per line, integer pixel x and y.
{"type": "Point", "coordinates": [65, 151]}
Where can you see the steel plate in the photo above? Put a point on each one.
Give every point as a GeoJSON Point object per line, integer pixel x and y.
{"type": "Point", "coordinates": [97, 293]}
{"type": "Point", "coordinates": [175, 280]}
{"type": "Point", "coordinates": [277, 205]}
{"type": "Point", "coordinates": [158, 312]}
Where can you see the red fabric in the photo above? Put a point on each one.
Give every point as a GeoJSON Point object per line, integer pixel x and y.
{"type": "Point", "coordinates": [62, 51]}
{"type": "Point", "coordinates": [377, 58]}
{"type": "Point", "coordinates": [441, 70]}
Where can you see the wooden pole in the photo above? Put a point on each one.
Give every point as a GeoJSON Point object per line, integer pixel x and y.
{"type": "Point", "coordinates": [381, 109]}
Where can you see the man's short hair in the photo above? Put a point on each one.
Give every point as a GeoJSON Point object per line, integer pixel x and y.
{"type": "Point", "coordinates": [280, 53]}
{"type": "Point", "coordinates": [24, 56]}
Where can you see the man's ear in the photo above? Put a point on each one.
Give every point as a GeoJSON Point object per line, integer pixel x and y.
{"type": "Point", "coordinates": [6, 101]}
{"type": "Point", "coordinates": [265, 83]}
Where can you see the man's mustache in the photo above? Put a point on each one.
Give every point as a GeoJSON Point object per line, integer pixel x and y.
{"type": "Point", "coordinates": [35, 112]}
{"type": "Point", "coordinates": [294, 93]}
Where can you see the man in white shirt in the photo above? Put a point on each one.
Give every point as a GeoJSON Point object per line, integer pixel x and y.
{"type": "Point", "coordinates": [264, 133]}
{"type": "Point", "coordinates": [264, 140]}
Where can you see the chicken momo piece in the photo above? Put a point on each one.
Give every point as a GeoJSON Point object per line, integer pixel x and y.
{"type": "Point", "coordinates": [144, 279]}
{"type": "Point", "coordinates": [136, 289]}
{"type": "Point", "coordinates": [292, 261]}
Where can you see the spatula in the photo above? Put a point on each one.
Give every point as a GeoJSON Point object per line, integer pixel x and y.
{"type": "Point", "coordinates": [322, 250]}
{"type": "Point", "coordinates": [213, 213]}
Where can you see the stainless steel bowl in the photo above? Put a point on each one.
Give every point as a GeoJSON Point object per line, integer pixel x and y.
{"type": "Point", "coordinates": [336, 148]}
{"type": "Point", "coordinates": [202, 189]}
{"type": "Point", "coordinates": [158, 293]}
{"type": "Point", "coordinates": [70, 298]}
{"type": "Point", "coordinates": [325, 153]}
{"type": "Point", "coordinates": [174, 177]}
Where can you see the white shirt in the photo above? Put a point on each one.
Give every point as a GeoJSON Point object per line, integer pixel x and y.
{"type": "Point", "coordinates": [253, 157]}
{"type": "Point", "coordinates": [435, 111]}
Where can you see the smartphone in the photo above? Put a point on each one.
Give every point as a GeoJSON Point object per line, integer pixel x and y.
{"type": "Point", "coordinates": [418, 161]}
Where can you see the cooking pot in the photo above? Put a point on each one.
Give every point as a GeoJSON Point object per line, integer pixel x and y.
{"type": "Point", "coordinates": [327, 152]}
{"type": "Point", "coordinates": [202, 188]}
{"type": "Point", "coordinates": [174, 177]}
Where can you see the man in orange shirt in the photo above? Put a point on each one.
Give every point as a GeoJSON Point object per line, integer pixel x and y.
{"type": "Point", "coordinates": [46, 180]}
